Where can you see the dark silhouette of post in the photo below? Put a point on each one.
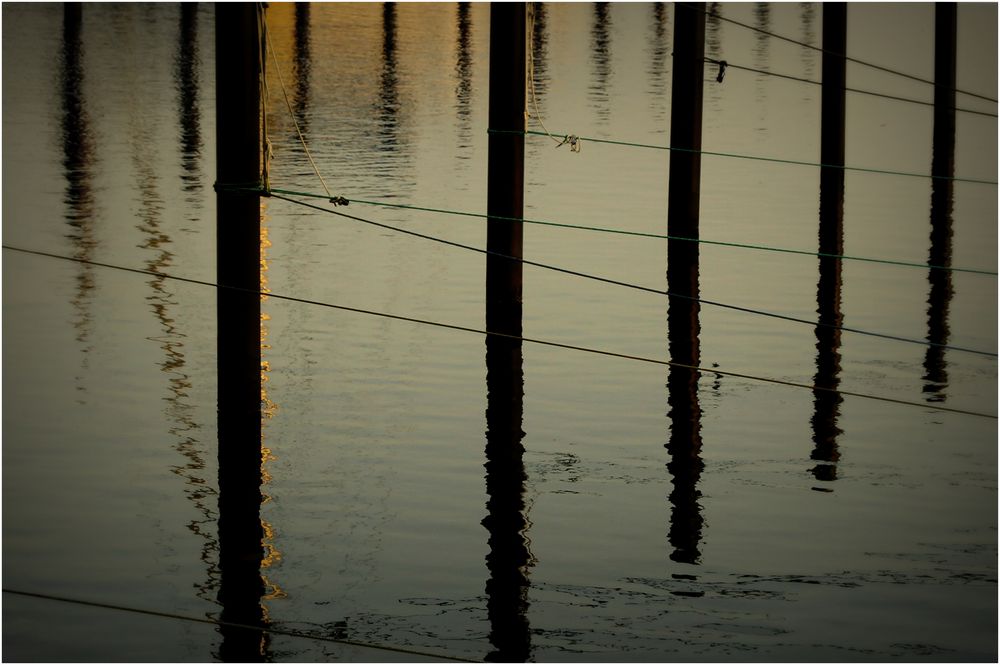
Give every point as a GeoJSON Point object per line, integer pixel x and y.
{"type": "Point", "coordinates": [77, 162]}
{"type": "Point", "coordinates": [302, 59]}
{"type": "Point", "coordinates": [831, 242]}
{"type": "Point", "coordinates": [833, 113]}
{"type": "Point", "coordinates": [505, 186]}
{"type": "Point", "coordinates": [942, 193]}
{"type": "Point", "coordinates": [684, 445]}
{"type": "Point", "coordinates": [508, 559]}
{"type": "Point", "coordinates": [239, 158]}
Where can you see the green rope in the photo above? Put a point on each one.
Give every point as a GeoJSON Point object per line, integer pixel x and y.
{"type": "Point", "coordinates": [488, 333]}
{"type": "Point", "coordinates": [600, 229]}
{"type": "Point", "coordinates": [753, 157]}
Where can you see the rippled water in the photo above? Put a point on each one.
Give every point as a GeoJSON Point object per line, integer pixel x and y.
{"type": "Point", "coordinates": [781, 527]}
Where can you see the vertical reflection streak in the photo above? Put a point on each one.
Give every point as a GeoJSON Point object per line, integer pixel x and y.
{"type": "Point", "coordinates": [388, 106]}
{"type": "Point", "coordinates": [713, 30]}
{"type": "Point", "coordinates": [942, 193]}
{"type": "Point", "coordinates": [186, 75]}
{"type": "Point", "coordinates": [463, 72]}
{"type": "Point", "coordinates": [826, 403]}
{"type": "Point", "coordinates": [762, 14]}
{"type": "Point", "coordinates": [599, 94]}
{"type": "Point", "coordinates": [78, 158]}
{"type": "Point", "coordinates": [509, 558]}
{"type": "Point", "coordinates": [684, 445]}
{"type": "Point", "coordinates": [301, 70]}
{"type": "Point", "coordinates": [659, 50]}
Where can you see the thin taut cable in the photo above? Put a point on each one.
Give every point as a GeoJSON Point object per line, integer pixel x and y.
{"type": "Point", "coordinates": [451, 326]}
{"type": "Point", "coordinates": [637, 287]}
{"type": "Point", "coordinates": [846, 57]}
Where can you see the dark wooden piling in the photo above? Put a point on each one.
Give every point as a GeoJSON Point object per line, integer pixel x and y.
{"type": "Point", "coordinates": [505, 187]}
{"type": "Point", "coordinates": [826, 404]}
{"type": "Point", "coordinates": [942, 194]}
{"type": "Point", "coordinates": [239, 158]}
{"type": "Point", "coordinates": [684, 190]}
{"type": "Point", "coordinates": [833, 116]}
{"type": "Point", "coordinates": [508, 558]}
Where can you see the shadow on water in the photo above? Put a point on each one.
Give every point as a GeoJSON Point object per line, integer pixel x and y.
{"type": "Point", "coordinates": [600, 39]}
{"type": "Point", "coordinates": [78, 159]}
{"type": "Point", "coordinates": [509, 558]}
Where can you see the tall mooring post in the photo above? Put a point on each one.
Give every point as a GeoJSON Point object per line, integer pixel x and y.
{"type": "Point", "coordinates": [684, 191]}
{"type": "Point", "coordinates": [942, 186]}
{"type": "Point", "coordinates": [505, 193]}
{"type": "Point", "coordinates": [833, 115]}
{"type": "Point", "coordinates": [831, 242]}
{"type": "Point", "coordinates": [508, 559]}
{"type": "Point", "coordinates": [239, 66]}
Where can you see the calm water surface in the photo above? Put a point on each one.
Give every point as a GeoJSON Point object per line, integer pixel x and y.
{"type": "Point", "coordinates": [779, 526]}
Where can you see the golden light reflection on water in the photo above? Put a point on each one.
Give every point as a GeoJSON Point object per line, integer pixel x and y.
{"type": "Point", "coordinates": [272, 555]}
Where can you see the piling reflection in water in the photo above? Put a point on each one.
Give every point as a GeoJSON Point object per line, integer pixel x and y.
{"type": "Point", "coordinates": [509, 558]}
{"type": "Point", "coordinates": [186, 83]}
{"type": "Point", "coordinates": [599, 90]}
{"type": "Point", "coordinates": [684, 445]}
{"type": "Point", "coordinates": [659, 51]}
{"type": "Point", "coordinates": [78, 158]}
{"type": "Point", "coordinates": [302, 66]}
{"type": "Point", "coordinates": [538, 21]}
{"type": "Point", "coordinates": [463, 72]}
{"type": "Point", "coordinates": [388, 105]}
{"type": "Point", "coordinates": [826, 404]}
{"type": "Point", "coordinates": [942, 192]}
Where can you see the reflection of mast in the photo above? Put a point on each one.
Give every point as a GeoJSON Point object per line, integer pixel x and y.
{"type": "Point", "coordinates": [178, 410]}
{"type": "Point", "coordinates": [388, 109]}
{"type": "Point", "coordinates": [302, 65]}
{"type": "Point", "coordinates": [509, 557]}
{"type": "Point", "coordinates": [77, 161]}
{"type": "Point", "coordinates": [942, 166]}
{"type": "Point", "coordinates": [685, 465]}
{"type": "Point", "coordinates": [601, 47]}
{"type": "Point", "coordinates": [658, 61]}
{"type": "Point", "coordinates": [826, 403]}
{"type": "Point", "coordinates": [186, 73]}
{"type": "Point", "coordinates": [463, 70]}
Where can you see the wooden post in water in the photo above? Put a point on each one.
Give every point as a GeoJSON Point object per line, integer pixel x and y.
{"type": "Point", "coordinates": [683, 327]}
{"type": "Point", "coordinates": [943, 169]}
{"type": "Point", "coordinates": [833, 116]}
{"type": "Point", "coordinates": [684, 190]}
{"type": "Point", "coordinates": [831, 241]}
{"type": "Point", "coordinates": [239, 159]}
{"type": "Point", "coordinates": [505, 193]}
